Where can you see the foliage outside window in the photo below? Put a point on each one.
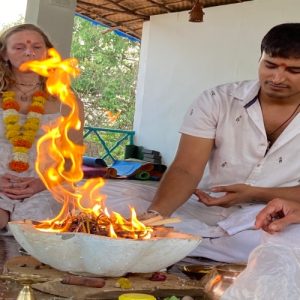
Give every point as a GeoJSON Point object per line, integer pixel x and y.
{"type": "Point", "coordinates": [109, 65]}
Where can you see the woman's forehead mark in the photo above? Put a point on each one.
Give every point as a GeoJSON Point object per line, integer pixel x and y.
{"type": "Point", "coordinates": [28, 41]}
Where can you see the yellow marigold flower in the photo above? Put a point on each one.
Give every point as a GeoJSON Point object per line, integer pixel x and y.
{"type": "Point", "coordinates": [11, 119]}
{"type": "Point", "coordinates": [29, 137]}
{"type": "Point", "coordinates": [124, 283]}
{"type": "Point", "coordinates": [11, 133]}
{"type": "Point", "coordinates": [9, 94]}
{"type": "Point", "coordinates": [39, 99]}
{"type": "Point", "coordinates": [41, 105]}
{"type": "Point", "coordinates": [20, 149]}
{"type": "Point", "coordinates": [16, 127]}
{"type": "Point", "coordinates": [31, 126]}
{"type": "Point", "coordinates": [33, 121]}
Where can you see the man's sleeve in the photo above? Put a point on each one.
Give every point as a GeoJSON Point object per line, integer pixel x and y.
{"type": "Point", "coordinates": [201, 118]}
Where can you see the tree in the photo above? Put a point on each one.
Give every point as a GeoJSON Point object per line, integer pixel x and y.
{"type": "Point", "coordinates": [107, 83]}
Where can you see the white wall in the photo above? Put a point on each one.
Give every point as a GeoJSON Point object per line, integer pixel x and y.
{"type": "Point", "coordinates": [179, 59]}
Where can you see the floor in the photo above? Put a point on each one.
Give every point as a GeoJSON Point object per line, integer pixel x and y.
{"type": "Point", "coordinates": [10, 290]}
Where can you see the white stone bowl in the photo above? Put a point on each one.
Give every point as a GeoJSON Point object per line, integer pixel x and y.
{"type": "Point", "coordinates": [82, 253]}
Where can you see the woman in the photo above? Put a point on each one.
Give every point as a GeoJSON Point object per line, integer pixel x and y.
{"type": "Point", "coordinates": [24, 102]}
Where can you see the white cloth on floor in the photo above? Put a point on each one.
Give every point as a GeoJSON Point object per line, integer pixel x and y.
{"type": "Point", "coordinates": [273, 270]}
{"type": "Point", "coordinates": [242, 219]}
{"type": "Point", "coordinates": [231, 248]}
{"type": "Point", "coordinates": [230, 242]}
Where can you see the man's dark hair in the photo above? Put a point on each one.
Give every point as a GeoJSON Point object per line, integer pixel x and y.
{"type": "Point", "coordinates": [282, 41]}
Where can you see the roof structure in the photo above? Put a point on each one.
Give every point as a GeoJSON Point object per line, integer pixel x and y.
{"type": "Point", "coordinates": [128, 15]}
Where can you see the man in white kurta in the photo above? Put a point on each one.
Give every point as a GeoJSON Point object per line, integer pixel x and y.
{"type": "Point", "coordinates": [247, 137]}
{"type": "Point", "coordinates": [231, 115]}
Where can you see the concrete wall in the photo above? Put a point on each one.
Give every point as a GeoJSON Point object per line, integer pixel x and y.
{"type": "Point", "coordinates": [179, 59]}
{"type": "Point", "coordinates": [56, 18]}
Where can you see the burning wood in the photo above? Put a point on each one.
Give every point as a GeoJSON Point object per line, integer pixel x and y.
{"type": "Point", "coordinates": [110, 226]}
{"type": "Point", "coordinates": [102, 225]}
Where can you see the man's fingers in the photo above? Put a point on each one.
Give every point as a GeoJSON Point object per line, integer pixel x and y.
{"type": "Point", "coordinates": [265, 215]}
{"type": "Point", "coordinates": [280, 224]}
{"type": "Point", "coordinates": [219, 189]}
{"type": "Point", "coordinates": [202, 195]}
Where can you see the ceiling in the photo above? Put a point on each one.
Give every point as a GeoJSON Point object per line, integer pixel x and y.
{"type": "Point", "coordinates": [128, 15]}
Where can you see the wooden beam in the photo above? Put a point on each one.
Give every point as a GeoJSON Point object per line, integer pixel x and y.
{"type": "Point", "coordinates": [160, 5]}
{"type": "Point", "coordinates": [109, 22]}
{"type": "Point", "coordinates": [120, 11]}
{"type": "Point", "coordinates": [118, 3]}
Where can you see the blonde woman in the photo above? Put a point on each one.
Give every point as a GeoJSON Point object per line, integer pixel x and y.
{"type": "Point", "coordinates": [23, 99]}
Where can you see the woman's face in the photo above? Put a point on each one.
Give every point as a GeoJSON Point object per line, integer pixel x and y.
{"type": "Point", "coordinates": [24, 46]}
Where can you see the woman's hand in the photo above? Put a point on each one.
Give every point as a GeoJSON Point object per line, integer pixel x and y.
{"type": "Point", "coordinates": [235, 194]}
{"type": "Point", "coordinates": [278, 214]}
{"type": "Point", "coordinates": [18, 188]}
{"type": "Point", "coordinates": [6, 181]}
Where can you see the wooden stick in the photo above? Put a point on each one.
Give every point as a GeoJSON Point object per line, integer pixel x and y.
{"type": "Point", "coordinates": [84, 281]}
{"type": "Point", "coordinates": [151, 222]}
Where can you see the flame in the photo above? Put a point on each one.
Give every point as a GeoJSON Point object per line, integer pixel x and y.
{"type": "Point", "coordinates": [112, 118]}
{"type": "Point", "coordinates": [59, 162]}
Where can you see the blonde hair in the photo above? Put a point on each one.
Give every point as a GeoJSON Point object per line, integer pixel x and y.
{"type": "Point", "coordinates": [6, 75]}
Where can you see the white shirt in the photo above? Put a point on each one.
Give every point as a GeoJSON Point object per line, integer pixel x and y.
{"type": "Point", "coordinates": [231, 115]}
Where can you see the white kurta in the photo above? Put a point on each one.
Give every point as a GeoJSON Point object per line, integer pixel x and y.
{"type": "Point", "coordinates": [227, 115]}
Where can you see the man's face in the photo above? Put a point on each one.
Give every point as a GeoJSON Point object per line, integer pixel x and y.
{"type": "Point", "coordinates": [279, 77]}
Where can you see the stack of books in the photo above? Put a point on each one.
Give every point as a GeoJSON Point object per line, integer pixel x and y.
{"type": "Point", "coordinates": [152, 156]}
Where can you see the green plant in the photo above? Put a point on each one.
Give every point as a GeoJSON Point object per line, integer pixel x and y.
{"type": "Point", "coordinates": [107, 83]}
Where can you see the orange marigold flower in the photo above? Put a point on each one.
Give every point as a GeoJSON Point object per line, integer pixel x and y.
{"type": "Point", "coordinates": [40, 93]}
{"type": "Point", "coordinates": [11, 105]}
{"type": "Point", "coordinates": [21, 143]}
{"type": "Point", "coordinates": [36, 109]}
{"type": "Point", "coordinates": [18, 166]}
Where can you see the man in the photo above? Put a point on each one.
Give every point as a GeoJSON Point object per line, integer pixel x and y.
{"type": "Point", "coordinates": [247, 135]}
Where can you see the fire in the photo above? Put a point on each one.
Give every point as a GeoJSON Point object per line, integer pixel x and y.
{"type": "Point", "coordinates": [59, 162]}
{"type": "Point", "coordinates": [112, 118]}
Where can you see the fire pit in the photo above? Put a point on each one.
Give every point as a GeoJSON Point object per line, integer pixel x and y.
{"type": "Point", "coordinates": [100, 255]}
{"type": "Point", "coordinates": [85, 237]}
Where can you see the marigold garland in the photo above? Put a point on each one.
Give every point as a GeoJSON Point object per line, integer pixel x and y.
{"type": "Point", "coordinates": [22, 136]}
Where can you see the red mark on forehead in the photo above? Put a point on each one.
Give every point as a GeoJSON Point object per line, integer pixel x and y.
{"type": "Point", "coordinates": [283, 65]}
{"type": "Point", "coordinates": [28, 42]}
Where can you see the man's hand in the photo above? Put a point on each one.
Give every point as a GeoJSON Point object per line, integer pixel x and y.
{"type": "Point", "coordinates": [18, 188]}
{"type": "Point", "coordinates": [235, 194]}
{"type": "Point", "coordinates": [278, 214]}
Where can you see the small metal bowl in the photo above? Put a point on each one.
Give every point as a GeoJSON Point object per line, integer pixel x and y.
{"type": "Point", "coordinates": [196, 272]}
{"type": "Point", "coordinates": [219, 279]}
